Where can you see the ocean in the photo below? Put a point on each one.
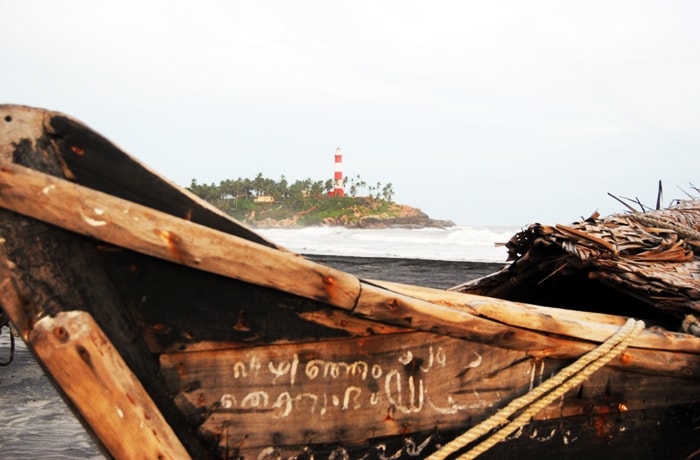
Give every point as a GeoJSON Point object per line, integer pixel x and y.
{"type": "Point", "coordinates": [35, 423]}
{"type": "Point", "coordinates": [459, 243]}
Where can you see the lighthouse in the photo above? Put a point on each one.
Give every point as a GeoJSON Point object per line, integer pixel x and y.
{"type": "Point", "coordinates": [338, 177]}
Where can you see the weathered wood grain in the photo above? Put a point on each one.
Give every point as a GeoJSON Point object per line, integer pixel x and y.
{"type": "Point", "coordinates": [151, 232]}
{"type": "Point", "coordinates": [109, 397]}
{"type": "Point", "coordinates": [158, 234]}
{"type": "Point", "coordinates": [595, 327]}
{"type": "Point", "coordinates": [148, 231]}
{"type": "Point", "coordinates": [61, 145]}
{"type": "Point", "coordinates": [343, 390]}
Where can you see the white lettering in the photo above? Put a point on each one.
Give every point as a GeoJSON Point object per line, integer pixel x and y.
{"type": "Point", "coordinates": [255, 400]}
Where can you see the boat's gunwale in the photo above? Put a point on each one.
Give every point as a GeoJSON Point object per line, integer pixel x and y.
{"type": "Point", "coordinates": [136, 227]}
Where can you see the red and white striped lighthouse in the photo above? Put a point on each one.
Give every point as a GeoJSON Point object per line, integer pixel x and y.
{"type": "Point", "coordinates": [338, 178]}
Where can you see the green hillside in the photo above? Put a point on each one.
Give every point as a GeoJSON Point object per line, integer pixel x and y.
{"type": "Point", "coordinates": [268, 203]}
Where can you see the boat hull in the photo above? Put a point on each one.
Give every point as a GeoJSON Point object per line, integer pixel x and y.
{"type": "Point", "coordinates": [261, 354]}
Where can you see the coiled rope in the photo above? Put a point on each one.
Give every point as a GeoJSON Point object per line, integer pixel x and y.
{"type": "Point", "coordinates": [537, 399]}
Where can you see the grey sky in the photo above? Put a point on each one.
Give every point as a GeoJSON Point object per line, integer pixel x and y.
{"type": "Point", "coordinates": [480, 112]}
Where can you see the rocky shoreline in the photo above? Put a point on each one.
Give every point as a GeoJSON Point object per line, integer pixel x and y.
{"type": "Point", "coordinates": [406, 217]}
{"type": "Point", "coordinates": [402, 222]}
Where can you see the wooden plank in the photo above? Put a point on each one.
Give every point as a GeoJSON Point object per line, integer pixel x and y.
{"type": "Point", "coordinates": [24, 123]}
{"type": "Point", "coordinates": [596, 327]}
{"type": "Point", "coordinates": [148, 231]}
{"type": "Point", "coordinates": [68, 147]}
{"type": "Point", "coordinates": [395, 308]}
{"type": "Point", "coordinates": [90, 371]}
{"type": "Point", "coordinates": [343, 390]}
{"type": "Point", "coordinates": [615, 391]}
{"type": "Point", "coordinates": [151, 232]}
{"type": "Point", "coordinates": [425, 316]}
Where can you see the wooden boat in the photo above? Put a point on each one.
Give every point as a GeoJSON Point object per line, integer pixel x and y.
{"type": "Point", "coordinates": [172, 331]}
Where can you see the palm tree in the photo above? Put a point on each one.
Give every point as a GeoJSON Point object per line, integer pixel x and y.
{"type": "Point", "coordinates": [388, 192]}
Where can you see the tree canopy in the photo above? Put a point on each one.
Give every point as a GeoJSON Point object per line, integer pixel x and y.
{"type": "Point", "coordinates": [237, 197]}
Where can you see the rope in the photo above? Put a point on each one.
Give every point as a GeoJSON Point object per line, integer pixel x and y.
{"type": "Point", "coordinates": [575, 373]}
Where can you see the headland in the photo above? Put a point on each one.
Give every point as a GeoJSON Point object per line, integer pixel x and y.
{"type": "Point", "coordinates": [266, 203]}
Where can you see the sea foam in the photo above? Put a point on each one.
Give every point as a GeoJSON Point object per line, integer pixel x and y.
{"type": "Point", "coordinates": [460, 243]}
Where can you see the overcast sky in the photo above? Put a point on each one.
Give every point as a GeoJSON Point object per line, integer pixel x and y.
{"type": "Point", "coordinates": [481, 112]}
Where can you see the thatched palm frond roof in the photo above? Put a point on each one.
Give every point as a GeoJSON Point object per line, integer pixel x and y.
{"type": "Point", "coordinates": [650, 258]}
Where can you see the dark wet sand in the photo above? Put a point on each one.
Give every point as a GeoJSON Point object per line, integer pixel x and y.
{"type": "Point", "coordinates": [34, 420]}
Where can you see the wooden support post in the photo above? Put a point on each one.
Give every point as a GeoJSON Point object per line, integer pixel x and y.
{"type": "Point", "coordinates": [102, 388]}
{"type": "Point", "coordinates": [154, 233]}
